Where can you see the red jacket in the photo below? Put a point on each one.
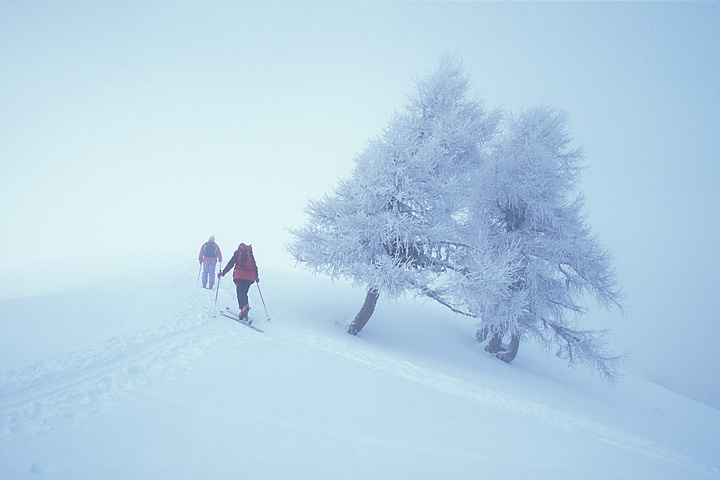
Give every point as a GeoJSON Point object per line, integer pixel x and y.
{"type": "Point", "coordinates": [216, 258]}
{"type": "Point", "coordinates": [244, 262]}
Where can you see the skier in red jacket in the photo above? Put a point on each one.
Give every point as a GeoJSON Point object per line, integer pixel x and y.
{"type": "Point", "coordinates": [244, 275]}
{"type": "Point", "coordinates": [210, 254]}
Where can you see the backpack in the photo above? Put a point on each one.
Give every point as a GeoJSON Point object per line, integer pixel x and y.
{"type": "Point", "coordinates": [210, 250]}
{"type": "Point", "coordinates": [245, 260]}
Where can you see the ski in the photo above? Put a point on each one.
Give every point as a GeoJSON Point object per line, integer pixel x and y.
{"type": "Point", "coordinates": [230, 314]}
{"type": "Point", "coordinates": [237, 315]}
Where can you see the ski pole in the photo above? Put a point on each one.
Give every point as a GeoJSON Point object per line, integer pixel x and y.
{"type": "Point", "coordinates": [263, 302]}
{"type": "Point", "coordinates": [218, 283]}
{"type": "Point", "coordinates": [217, 290]}
{"type": "Point", "coordinates": [199, 270]}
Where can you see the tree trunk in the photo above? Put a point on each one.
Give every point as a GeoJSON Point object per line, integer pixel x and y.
{"type": "Point", "coordinates": [496, 347]}
{"type": "Point", "coordinates": [365, 312]}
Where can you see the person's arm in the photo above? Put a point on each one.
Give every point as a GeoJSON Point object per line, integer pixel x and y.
{"type": "Point", "coordinates": [230, 264]}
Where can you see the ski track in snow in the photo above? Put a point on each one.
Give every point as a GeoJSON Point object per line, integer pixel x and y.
{"type": "Point", "coordinates": [87, 381]}
{"type": "Point", "coordinates": [90, 379]}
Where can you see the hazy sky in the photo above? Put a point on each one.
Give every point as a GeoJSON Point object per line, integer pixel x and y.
{"type": "Point", "coordinates": [131, 131]}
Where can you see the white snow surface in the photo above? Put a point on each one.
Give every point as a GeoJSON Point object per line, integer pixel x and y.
{"type": "Point", "coordinates": [136, 378]}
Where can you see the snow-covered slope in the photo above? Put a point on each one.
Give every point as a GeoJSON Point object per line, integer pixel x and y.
{"type": "Point", "coordinates": [135, 378]}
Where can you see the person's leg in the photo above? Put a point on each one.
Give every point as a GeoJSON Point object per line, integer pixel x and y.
{"type": "Point", "coordinates": [206, 272]}
{"type": "Point", "coordinates": [239, 290]}
{"type": "Point", "coordinates": [242, 287]}
{"type": "Point", "coordinates": [245, 309]}
{"type": "Point", "coordinates": [211, 273]}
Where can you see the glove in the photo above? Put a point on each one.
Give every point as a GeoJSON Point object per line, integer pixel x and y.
{"type": "Point", "coordinates": [220, 274]}
{"type": "Point", "coordinates": [258, 280]}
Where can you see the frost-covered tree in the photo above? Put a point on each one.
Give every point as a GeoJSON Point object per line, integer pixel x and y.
{"type": "Point", "coordinates": [393, 225]}
{"type": "Point", "coordinates": [482, 216]}
{"type": "Point", "coordinates": [529, 203]}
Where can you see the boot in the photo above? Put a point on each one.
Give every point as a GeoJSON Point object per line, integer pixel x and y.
{"type": "Point", "coordinates": [244, 313]}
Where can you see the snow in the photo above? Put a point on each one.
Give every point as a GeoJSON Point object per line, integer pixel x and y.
{"type": "Point", "coordinates": [135, 378]}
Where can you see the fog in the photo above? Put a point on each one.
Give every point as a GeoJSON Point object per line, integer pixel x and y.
{"type": "Point", "coordinates": [130, 132]}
